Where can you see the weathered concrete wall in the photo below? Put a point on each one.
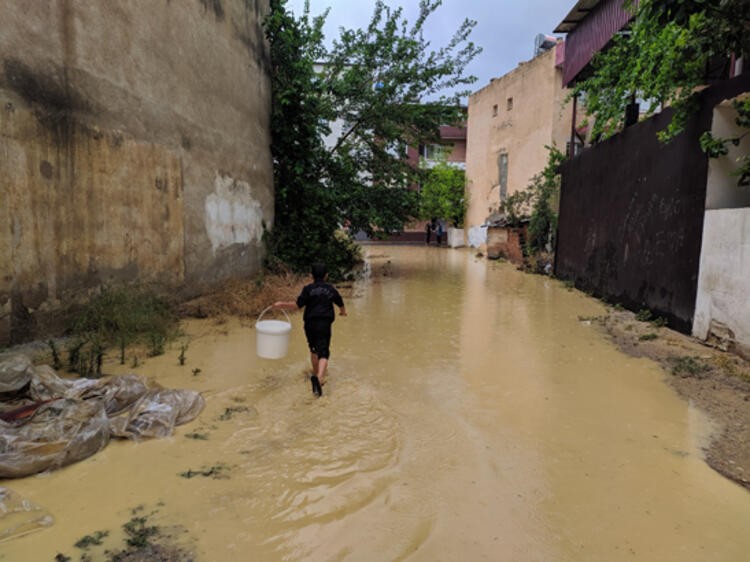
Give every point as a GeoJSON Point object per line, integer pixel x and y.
{"type": "Point", "coordinates": [722, 309]}
{"type": "Point", "coordinates": [631, 214]}
{"type": "Point", "coordinates": [536, 117]}
{"type": "Point", "coordinates": [134, 147]}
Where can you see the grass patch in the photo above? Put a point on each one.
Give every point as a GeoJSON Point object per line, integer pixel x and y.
{"type": "Point", "coordinates": [644, 315]}
{"type": "Point", "coordinates": [144, 541]}
{"type": "Point", "coordinates": [686, 367]}
{"type": "Point", "coordinates": [730, 368]}
{"type": "Point", "coordinates": [119, 317]}
{"type": "Point", "coordinates": [647, 337]}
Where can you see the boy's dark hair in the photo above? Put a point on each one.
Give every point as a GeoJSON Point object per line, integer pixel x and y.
{"type": "Point", "coordinates": [319, 271]}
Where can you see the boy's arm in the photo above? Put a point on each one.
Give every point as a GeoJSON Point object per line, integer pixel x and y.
{"type": "Point", "coordinates": [287, 305]}
{"type": "Point", "coordinates": [342, 310]}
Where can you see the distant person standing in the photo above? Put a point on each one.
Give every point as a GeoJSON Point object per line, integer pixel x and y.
{"type": "Point", "coordinates": [317, 299]}
{"type": "Point", "coordinates": [427, 233]}
{"type": "Point", "coordinates": [440, 231]}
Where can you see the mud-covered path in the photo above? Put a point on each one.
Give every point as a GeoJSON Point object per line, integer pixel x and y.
{"type": "Point", "coordinates": [470, 415]}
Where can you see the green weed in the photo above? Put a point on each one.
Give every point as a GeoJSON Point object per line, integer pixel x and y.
{"type": "Point", "coordinates": [217, 472]}
{"type": "Point", "coordinates": [229, 412]}
{"type": "Point", "coordinates": [686, 366]}
{"type": "Point", "coordinates": [644, 315]}
{"type": "Point", "coordinates": [56, 362]}
{"type": "Point", "coordinates": [139, 532]}
{"type": "Point", "coordinates": [121, 316]}
{"type": "Point", "coordinates": [181, 357]}
{"type": "Point", "coordinates": [647, 337]}
{"type": "Point", "coordinates": [91, 540]}
{"type": "Point", "coordinates": [197, 436]}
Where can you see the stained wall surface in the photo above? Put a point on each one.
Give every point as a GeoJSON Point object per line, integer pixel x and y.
{"type": "Point", "coordinates": [516, 115]}
{"type": "Point", "coordinates": [632, 212]}
{"type": "Point", "coordinates": [134, 147]}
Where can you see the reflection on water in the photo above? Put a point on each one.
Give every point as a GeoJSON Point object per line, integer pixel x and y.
{"type": "Point", "coordinates": [469, 415]}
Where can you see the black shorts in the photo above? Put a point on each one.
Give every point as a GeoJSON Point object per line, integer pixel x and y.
{"type": "Point", "coordinates": [318, 334]}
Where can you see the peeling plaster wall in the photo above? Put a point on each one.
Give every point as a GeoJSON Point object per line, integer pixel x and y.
{"type": "Point", "coordinates": [134, 147]}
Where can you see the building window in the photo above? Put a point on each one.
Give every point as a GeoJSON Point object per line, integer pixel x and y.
{"type": "Point", "coordinates": [494, 110]}
{"type": "Point", "coordinates": [509, 104]}
{"type": "Point", "coordinates": [436, 151]}
{"type": "Point", "coordinates": [502, 175]}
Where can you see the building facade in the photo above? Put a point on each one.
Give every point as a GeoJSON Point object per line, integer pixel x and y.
{"type": "Point", "coordinates": [510, 122]}
{"type": "Point", "coordinates": [134, 141]}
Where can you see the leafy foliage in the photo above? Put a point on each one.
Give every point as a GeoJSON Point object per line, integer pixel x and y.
{"type": "Point", "coordinates": [716, 147]}
{"type": "Point", "coordinates": [543, 223]}
{"type": "Point", "coordinates": [443, 193]}
{"type": "Point", "coordinates": [536, 203]}
{"type": "Point", "coordinates": [371, 84]}
{"type": "Point", "coordinates": [673, 48]}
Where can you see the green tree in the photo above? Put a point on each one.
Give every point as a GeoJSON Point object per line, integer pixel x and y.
{"type": "Point", "coordinates": [443, 193]}
{"type": "Point", "coordinates": [373, 81]}
{"type": "Point", "coordinates": [673, 47]}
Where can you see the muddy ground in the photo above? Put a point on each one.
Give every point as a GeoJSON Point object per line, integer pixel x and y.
{"type": "Point", "coordinates": [714, 379]}
{"type": "Point", "coordinates": [710, 376]}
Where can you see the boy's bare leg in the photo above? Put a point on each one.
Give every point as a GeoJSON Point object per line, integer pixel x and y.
{"type": "Point", "coordinates": [314, 362]}
{"type": "Point", "coordinates": [322, 367]}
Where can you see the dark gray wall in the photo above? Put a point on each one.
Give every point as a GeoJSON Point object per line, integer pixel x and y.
{"type": "Point", "coordinates": [631, 214]}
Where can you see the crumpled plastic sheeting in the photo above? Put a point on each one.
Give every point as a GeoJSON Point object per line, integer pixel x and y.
{"type": "Point", "coordinates": [80, 416]}
{"type": "Point", "coordinates": [19, 516]}
{"type": "Point", "coordinates": [157, 412]}
{"type": "Point", "coordinates": [58, 434]}
{"type": "Point", "coordinates": [15, 372]}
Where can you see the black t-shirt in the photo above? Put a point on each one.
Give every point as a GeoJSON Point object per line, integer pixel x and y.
{"type": "Point", "coordinates": [318, 299]}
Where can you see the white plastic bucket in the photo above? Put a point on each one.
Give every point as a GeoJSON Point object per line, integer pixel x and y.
{"type": "Point", "coordinates": [272, 337]}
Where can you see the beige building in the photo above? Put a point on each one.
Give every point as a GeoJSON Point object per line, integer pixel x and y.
{"type": "Point", "coordinates": [511, 120]}
{"type": "Point", "coordinates": [134, 143]}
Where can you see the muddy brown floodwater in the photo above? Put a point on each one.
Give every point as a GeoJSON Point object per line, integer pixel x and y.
{"type": "Point", "coordinates": [469, 416]}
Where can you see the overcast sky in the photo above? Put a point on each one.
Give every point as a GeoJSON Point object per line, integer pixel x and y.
{"type": "Point", "coordinates": [505, 28]}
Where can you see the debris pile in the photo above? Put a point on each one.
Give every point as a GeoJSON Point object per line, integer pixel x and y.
{"type": "Point", "coordinates": [47, 422]}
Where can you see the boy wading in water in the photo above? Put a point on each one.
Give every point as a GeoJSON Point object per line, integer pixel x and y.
{"type": "Point", "coordinates": [317, 299]}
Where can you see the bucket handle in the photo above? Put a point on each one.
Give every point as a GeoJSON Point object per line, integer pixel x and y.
{"type": "Point", "coordinates": [271, 306]}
